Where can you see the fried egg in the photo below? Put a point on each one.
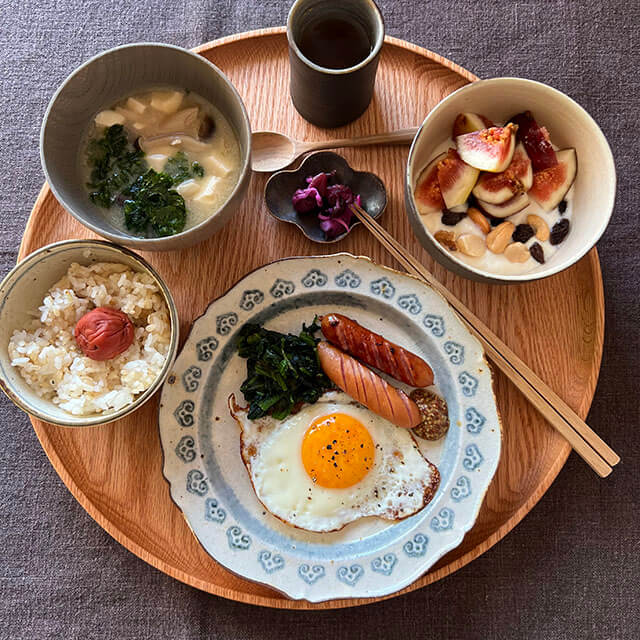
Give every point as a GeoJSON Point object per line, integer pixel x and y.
{"type": "Point", "coordinates": [334, 462]}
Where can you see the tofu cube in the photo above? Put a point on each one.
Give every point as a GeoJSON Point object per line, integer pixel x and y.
{"type": "Point", "coordinates": [188, 188]}
{"type": "Point", "coordinates": [208, 193]}
{"type": "Point", "coordinates": [157, 161]}
{"type": "Point", "coordinates": [216, 165]}
{"type": "Point", "coordinates": [108, 118]}
{"type": "Point", "coordinates": [133, 104]}
{"type": "Point", "coordinates": [166, 101]}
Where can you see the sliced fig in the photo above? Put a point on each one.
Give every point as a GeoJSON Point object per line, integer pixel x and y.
{"type": "Point", "coordinates": [508, 208]}
{"type": "Point", "coordinates": [468, 123]}
{"type": "Point", "coordinates": [536, 141]}
{"type": "Point", "coordinates": [488, 149]}
{"type": "Point", "coordinates": [456, 179]}
{"type": "Point", "coordinates": [427, 192]}
{"type": "Point", "coordinates": [550, 185]}
{"type": "Point", "coordinates": [497, 188]}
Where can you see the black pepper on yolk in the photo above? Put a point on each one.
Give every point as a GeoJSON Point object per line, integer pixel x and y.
{"type": "Point", "coordinates": [337, 451]}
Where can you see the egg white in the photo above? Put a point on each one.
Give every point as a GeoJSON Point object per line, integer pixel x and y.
{"type": "Point", "coordinates": [400, 483]}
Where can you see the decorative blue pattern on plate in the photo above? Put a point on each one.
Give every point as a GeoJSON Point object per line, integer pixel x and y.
{"type": "Point", "coordinates": [250, 299]}
{"type": "Point", "coordinates": [435, 324]}
{"type": "Point", "coordinates": [282, 288]}
{"type": "Point", "coordinates": [185, 449]}
{"type": "Point", "coordinates": [383, 287]}
{"type": "Point", "coordinates": [443, 521]}
{"type": "Point", "coordinates": [270, 561]}
{"type": "Point", "coordinates": [196, 482]}
{"type": "Point", "coordinates": [350, 575]}
{"type": "Point", "coordinates": [226, 322]}
{"type": "Point", "coordinates": [472, 458]}
{"type": "Point", "coordinates": [202, 459]}
{"type": "Point", "coordinates": [315, 278]}
{"type": "Point", "coordinates": [237, 539]}
{"type": "Point", "coordinates": [311, 573]}
{"type": "Point", "coordinates": [417, 546]}
{"type": "Point", "coordinates": [206, 347]}
{"type": "Point", "coordinates": [190, 378]}
{"type": "Point", "coordinates": [475, 420]}
{"type": "Point", "coordinates": [455, 352]}
{"type": "Point", "coordinates": [384, 564]}
{"type": "Point", "coordinates": [462, 489]}
{"type": "Point", "coordinates": [469, 384]}
{"type": "Point", "coordinates": [184, 413]}
{"type": "Point", "coordinates": [410, 303]}
{"type": "Point", "coordinates": [213, 512]}
{"type": "Point", "coordinates": [348, 279]}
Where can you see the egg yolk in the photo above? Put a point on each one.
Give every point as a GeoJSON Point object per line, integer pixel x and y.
{"type": "Point", "coordinates": [337, 451]}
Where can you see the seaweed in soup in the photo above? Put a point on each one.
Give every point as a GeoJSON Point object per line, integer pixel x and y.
{"type": "Point", "coordinates": [115, 164]}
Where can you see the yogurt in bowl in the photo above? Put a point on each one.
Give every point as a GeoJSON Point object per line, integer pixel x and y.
{"type": "Point", "coordinates": [564, 228]}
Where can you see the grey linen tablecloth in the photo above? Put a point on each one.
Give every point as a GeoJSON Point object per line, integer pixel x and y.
{"type": "Point", "coordinates": [569, 570]}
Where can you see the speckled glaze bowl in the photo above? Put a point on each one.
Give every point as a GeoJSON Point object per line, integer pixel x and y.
{"type": "Point", "coordinates": [569, 126]}
{"type": "Point", "coordinates": [22, 292]}
{"type": "Point", "coordinates": [97, 85]}
{"type": "Point", "coordinates": [282, 185]}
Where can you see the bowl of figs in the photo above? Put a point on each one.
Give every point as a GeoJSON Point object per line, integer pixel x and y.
{"type": "Point", "coordinates": [509, 180]}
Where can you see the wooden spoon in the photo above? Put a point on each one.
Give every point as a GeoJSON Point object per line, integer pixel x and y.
{"type": "Point", "coordinates": [272, 151]}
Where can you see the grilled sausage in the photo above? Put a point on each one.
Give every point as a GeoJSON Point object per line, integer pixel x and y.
{"type": "Point", "coordinates": [368, 388]}
{"type": "Point", "coordinates": [374, 350]}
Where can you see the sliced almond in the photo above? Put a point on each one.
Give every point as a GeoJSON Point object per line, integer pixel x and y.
{"type": "Point", "coordinates": [475, 215]}
{"type": "Point", "coordinates": [500, 237]}
{"type": "Point", "coordinates": [446, 239]}
{"type": "Point", "coordinates": [471, 245]}
{"type": "Point", "coordinates": [540, 227]}
{"type": "Point", "coordinates": [517, 252]}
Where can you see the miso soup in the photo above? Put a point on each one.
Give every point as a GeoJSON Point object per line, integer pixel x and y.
{"type": "Point", "coordinates": [160, 162]}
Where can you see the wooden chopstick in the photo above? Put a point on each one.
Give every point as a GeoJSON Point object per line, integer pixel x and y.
{"type": "Point", "coordinates": [593, 450]}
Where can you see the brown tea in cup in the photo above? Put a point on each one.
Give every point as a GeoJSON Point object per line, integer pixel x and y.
{"type": "Point", "coordinates": [335, 42]}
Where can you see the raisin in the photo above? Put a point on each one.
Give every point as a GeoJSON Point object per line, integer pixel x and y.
{"type": "Point", "coordinates": [537, 252]}
{"type": "Point", "coordinates": [562, 207]}
{"type": "Point", "coordinates": [522, 233]}
{"type": "Point", "coordinates": [559, 231]}
{"type": "Point", "coordinates": [451, 218]}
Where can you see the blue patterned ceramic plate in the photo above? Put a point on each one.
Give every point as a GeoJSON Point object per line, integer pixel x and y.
{"type": "Point", "coordinates": [209, 482]}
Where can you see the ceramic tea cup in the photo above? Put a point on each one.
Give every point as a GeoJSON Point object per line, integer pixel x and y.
{"type": "Point", "coordinates": [331, 97]}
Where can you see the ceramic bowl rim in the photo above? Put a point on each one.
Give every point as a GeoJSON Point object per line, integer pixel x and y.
{"type": "Point", "coordinates": [595, 131]}
{"type": "Point", "coordinates": [93, 420]}
{"type": "Point", "coordinates": [299, 168]}
{"type": "Point", "coordinates": [160, 243]}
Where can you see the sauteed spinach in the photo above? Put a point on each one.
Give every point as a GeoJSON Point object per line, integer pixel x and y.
{"type": "Point", "coordinates": [283, 370]}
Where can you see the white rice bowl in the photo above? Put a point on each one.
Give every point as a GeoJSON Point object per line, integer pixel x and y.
{"type": "Point", "coordinates": [52, 364]}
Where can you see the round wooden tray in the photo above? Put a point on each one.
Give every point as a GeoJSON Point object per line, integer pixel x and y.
{"type": "Point", "coordinates": [556, 325]}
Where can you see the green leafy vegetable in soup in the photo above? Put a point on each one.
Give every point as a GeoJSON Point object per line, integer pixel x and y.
{"type": "Point", "coordinates": [180, 169]}
{"type": "Point", "coordinates": [115, 164]}
{"type": "Point", "coordinates": [283, 370]}
{"type": "Point", "coordinates": [152, 202]}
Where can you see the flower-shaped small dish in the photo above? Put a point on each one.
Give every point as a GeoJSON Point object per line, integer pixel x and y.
{"type": "Point", "coordinates": [282, 185]}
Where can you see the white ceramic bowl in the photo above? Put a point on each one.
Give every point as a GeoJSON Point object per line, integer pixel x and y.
{"type": "Point", "coordinates": [98, 84]}
{"type": "Point", "coordinates": [22, 292]}
{"type": "Point", "coordinates": [569, 125]}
